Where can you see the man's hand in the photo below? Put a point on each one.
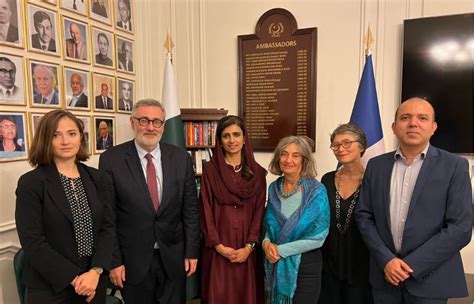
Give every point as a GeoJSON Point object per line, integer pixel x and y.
{"type": "Point", "coordinates": [225, 251]}
{"type": "Point", "coordinates": [271, 251]}
{"type": "Point", "coordinates": [240, 255]}
{"type": "Point", "coordinates": [397, 271]}
{"type": "Point", "coordinates": [117, 276]}
{"type": "Point", "coordinates": [86, 284]}
{"type": "Point", "coordinates": [190, 266]}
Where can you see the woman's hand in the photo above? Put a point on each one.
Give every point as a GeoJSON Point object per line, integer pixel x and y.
{"type": "Point", "coordinates": [225, 251]}
{"type": "Point", "coordinates": [271, 251]}
{"type": "Point", "coordinates": [240, 255]}
{"type": "Point", "coordinates": [86, 283]}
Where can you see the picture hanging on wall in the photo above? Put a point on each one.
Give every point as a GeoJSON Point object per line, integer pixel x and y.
{"type": "Point", "coordinates": [12, 80]}
{"type": "Point", "coordinates": [45, 84]}
{"type": "Point", "coordinates": [42, 31]}
{"type": "Point", "coordinates": [11, 18]}
{"type": "Point", "coordinates": [126, 97]}
{"type": "Point", "coordinates": [104, 133]}
{"type": "Point", "coordinates": [75, 40]}
{"type": "Point", "coordinates": [123, 15]}
{"type": "Point", "coordinates": [13, 136]}
{"type": "Point", "coordinates": [100, 11]}
{"type": "Point", "coordinates": [76, 6]}
{"type": "Point", "coordinates": [125, 55]}
{"type": "Point", "coordinates": [77, 89]}
{"type": "Point", "coordinates": [103, 48]}
{"type": "Point", "coordinates": [104, 92]}
{"type": "Point", "coordinates": [86, 124]}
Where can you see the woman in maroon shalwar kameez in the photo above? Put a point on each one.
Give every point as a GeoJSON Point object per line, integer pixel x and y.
{"type": "Point", "coordinates": [233, 192]}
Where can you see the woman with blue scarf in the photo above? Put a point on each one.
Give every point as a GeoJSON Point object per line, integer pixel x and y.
{"type": "Point", "coordinates": [296, 223]}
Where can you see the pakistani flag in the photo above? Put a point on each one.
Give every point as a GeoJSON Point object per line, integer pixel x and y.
{"type": "Point", "coordinates": [174, 132]}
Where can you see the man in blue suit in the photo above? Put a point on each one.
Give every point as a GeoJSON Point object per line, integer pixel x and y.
{"type": "Point", "coordinates": [415, 214]}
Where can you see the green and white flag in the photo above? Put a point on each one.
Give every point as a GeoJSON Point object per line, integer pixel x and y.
{"type": "Point", "coordinates": [174, 132]}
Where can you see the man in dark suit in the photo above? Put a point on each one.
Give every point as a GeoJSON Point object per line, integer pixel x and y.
{"type": "Point", "coordinates": [103, 101]}
{"type": "Point", "coordinates": [104, 140]}
{"type": "Point", "coordinates": [8, 31]}
{"type": "Point", "coordinates": [156, 212]}
{"type": "Point", "coordinates": [8, 89]}
{"type": "Point", "coordinates": [79, 98]}
{"type": "Point", "coordinates": [43, 39]}
{"type": "Point", "coordinates": [44, 82]}
{"type": "Point", "coordinates": [125, 57]}
{"type": "Point", "coordinates": [415, 214]}
{"type": "Point", "coordinates": [123, 7]}
{"type": "Point", "coordinates": [125, 102]}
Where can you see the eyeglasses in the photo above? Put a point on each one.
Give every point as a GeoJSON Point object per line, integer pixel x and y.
{"type": "Point", "coordinates": [5, 71]}
{"type": "Point", "coordinates": [345, 144]}
{"type": "Point", "coordinates": [143, 121]}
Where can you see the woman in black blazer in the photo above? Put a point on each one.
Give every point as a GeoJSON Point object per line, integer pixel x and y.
{"type": "Point", "coordinates": [63, 217]}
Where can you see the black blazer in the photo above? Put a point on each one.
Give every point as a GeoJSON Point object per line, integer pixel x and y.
{"type": "Point", "coordinates": [45, 226]}
{"type": "Point", "coordinates": [100, 105]}
{"type": "Point", "coordinates": [35, 43]}
{"type": "Point", "coordinates": [176, 225]}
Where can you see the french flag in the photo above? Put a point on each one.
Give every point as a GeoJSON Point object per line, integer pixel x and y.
{"type": "Point", "coordinates": [366, 112]}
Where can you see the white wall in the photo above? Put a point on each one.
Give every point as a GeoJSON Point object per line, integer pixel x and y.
{"type": "Point", "coordinates": [205, 59]}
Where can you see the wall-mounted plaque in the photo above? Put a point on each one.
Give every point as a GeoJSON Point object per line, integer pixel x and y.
{"type": "Point", "coordinates": [277, 80]}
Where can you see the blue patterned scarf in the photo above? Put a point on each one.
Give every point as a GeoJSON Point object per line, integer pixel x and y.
{"type": "Point", "coordinates": [310, 221]}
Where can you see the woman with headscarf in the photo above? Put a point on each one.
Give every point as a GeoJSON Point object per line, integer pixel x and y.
{"type": "Point", "coordinates": [233, 191]}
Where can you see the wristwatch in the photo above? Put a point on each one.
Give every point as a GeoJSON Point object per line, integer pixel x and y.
{"type": "Point", "coordinates": [99, 270]}
{"type": "Point", "coordinates": [250, 245]}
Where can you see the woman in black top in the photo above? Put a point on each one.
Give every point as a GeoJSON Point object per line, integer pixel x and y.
{"type": "Point", "coordinates": [63, 217]}
{"type": "Point", "coordinates": [345, 256]}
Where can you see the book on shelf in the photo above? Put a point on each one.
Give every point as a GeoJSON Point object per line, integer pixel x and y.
{"type": "Point", "coordinates": [201, 133]}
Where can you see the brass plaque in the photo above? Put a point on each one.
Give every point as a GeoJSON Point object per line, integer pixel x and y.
{"type": "Point", "coordinates": [277, 80]}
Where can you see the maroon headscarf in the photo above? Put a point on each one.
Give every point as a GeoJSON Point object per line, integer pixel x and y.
{"type": "Point", "coordinates": [227, 191]}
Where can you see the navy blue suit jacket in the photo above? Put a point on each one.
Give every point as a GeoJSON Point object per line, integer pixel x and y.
{"type": "Point", "coordinates": [438, 224]}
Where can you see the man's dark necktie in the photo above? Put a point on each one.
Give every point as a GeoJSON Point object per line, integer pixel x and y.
{"type": "Point", "coordinates": [44, 100]}
{"type": "Point", "coordinates": [152, 182]}
{"type": "Point", "coordinates": [43, 47]}
{"type": "Point", "coordinates": [74, 6]}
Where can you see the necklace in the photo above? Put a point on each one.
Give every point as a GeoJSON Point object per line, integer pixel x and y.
{"type": "Point", "coordinates": [339, 226]}
{"type": "Point", "coordinates": [295, 188]}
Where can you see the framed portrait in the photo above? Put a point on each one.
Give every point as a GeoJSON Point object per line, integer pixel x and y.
{"type": "Point", "coordinates": [45, 3]}
{"type": "Point", "coordinates": [75, 40]}
{"type": "Point", "coordinates": [45, 84]}
{"type": "Point", "coordinates": [104, 133]}
{"type": "Point", "coordinates": [126, 95]}
{"type": "Point", "coordinates": [86, 123]}
{"type": "Point", "coordinates": [13, 136]}
{"type": "Point", "coordinates": [104, 92]}
{"type": "Point", "coordinates": [12, 80]}
{"type": "Point", "coordinates": [34, 121]}
{"type": "Point", "coordinates": [123, 15]}
{"type": "Point", "coordinates": [103, 48]}
{"type": "Point", "coordinates": [76, 89]}
{"type": "Point", "coordinates": [125, 55]}
{"type": "Point", "coordinates": [12, 16]}
{"type": "Point", "coordinates": [76, 6]}
{"type": "Point", "coordinates": [42, 30]}
{"type": "Point", "coordinates": [100, 11]}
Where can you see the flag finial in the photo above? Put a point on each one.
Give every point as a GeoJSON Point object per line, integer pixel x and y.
{"type": "Point", "coordinates": [368, 40]}
{"type": "Point", "coordinates": [168, 43]}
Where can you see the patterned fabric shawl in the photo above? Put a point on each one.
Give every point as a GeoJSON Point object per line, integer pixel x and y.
{"type": "Point", "coordinates": [310, 221]}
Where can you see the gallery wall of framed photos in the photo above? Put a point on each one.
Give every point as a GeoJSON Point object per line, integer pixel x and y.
{"type": "Point", "coordinates": [64, 54]}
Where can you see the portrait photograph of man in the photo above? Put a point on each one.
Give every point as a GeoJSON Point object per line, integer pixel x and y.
{"type": "Point", "coordinates": [13, 141]}
{"type": "Point", "coordinates": [11, 80]}
{"type": "Point", "coordinates": [42, 30]}
{"type": "Point", "coordinates": [126, 97]}
{"type": "Point", "coordinates": [77, 6]}
{"type": "Point", "coordinates": [44, 84]}
{"type": "Point", "coordinates": [125, 55]}
{"type": "Point", "coordinates": [104, 133]}
{"type": "Point", "coordinates": [103, 45]}
{"type": "Point", "coordinates": [123, 15]}
{"type": "Point", "coordinates": [100, 10]}
{"type": "Point", "coordinates": [77, 89]}
{"type": "Point", "coordinates": [86, 123]}
{"type": "Point", "coordinates": [104, 93]}
{"type": "Point", "coordinates": [75, 40]}
{"type": "Point", "coordinates": [10, 27]}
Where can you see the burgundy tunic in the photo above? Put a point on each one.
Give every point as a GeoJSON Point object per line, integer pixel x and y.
{"type": "Point", "coordinates": [231, 214]}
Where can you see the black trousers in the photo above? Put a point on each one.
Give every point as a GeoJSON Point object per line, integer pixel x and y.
{"type": "Point", "coordinates": [335, 291]}
{"type": "Point", "coordinates": [156, 287]}
{"type": "Point", "coordinates": [66, 296]}
{"type": "Point", "coordinates": [400, 295]}
{"type": "Point", "coordinates": [308, 285]}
